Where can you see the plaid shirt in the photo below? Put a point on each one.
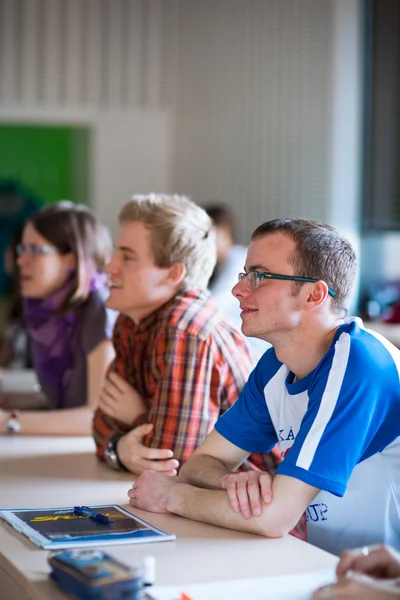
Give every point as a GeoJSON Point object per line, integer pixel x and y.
{"type": "Point", "coordinates": [189, 366]}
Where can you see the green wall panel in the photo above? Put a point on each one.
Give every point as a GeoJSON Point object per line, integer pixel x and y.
{"type": "Point", "coordinates": [52, 161]}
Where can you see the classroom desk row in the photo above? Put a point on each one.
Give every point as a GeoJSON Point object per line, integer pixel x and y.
{"type": "Point", "coordinates": [49, 472]}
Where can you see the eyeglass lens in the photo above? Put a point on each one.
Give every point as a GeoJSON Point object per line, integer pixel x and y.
{"type": "Point", "coordinates": [34, 249]}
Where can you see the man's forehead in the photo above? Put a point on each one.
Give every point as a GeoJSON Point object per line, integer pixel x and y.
{"type": "Point", "coordinates": [134, 237]}
{"type": "Point", "coordinates": [270, 249]}
{"type": "Point", "coordinates": [132, 234]}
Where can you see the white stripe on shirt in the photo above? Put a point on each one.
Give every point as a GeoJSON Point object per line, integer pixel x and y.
{"type": "Point", "coordinates": [328, 402]}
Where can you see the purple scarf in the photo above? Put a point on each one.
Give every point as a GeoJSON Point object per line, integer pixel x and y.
{"type": "Point", "coordinates": [53, 336]}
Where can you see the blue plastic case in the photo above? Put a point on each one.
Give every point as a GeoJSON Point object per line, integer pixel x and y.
{"type": "Point", "coordinates": [95, 575]}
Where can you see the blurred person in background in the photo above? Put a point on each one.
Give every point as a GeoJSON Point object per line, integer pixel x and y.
{"type": "Point", "coordinates": [17, 205]}
{"type": "Point", "coordinates": [368, 573]}
{"type": "Point", "coordinates": [61, 261]}
{"type": "Point", "coordinates": [14, 347]}
{"type": "Point", "coordinates": [231, 258]}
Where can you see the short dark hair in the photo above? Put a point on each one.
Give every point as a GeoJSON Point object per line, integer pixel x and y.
{"type": "Point", "coordinates": [321, 253]}
{"type": "Point", "coordinates": [75, 228]}
{"type": "Point", "coordinates": [221, 215]}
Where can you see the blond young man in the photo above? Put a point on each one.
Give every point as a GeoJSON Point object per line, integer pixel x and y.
{"type": "Point", "coordinates": [328, 391]}
{"type": "Point", "coordinates": [178, 364]}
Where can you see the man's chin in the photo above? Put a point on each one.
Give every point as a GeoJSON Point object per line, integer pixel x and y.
{"type": "Point", "coordinates": [112, 304]}
{"type": "Point", "coordinates": [247, 331]}
{"type": "Point", "coordinates": [251, 333]}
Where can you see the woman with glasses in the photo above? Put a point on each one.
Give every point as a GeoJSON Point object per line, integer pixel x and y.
{"type": "Point", "coordinates": [61, 262]}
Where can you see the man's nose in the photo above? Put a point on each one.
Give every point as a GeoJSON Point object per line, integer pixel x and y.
{"type": "Point", "coordinates": [241, 288]}
{"type": "Point", "coordinates": [111, 266]}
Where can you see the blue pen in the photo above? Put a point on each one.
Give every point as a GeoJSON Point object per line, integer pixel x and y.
{"type": "Point", "coordinates": [96, 516]}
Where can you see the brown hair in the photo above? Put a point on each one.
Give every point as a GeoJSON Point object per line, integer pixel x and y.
{"type": "Point", "coordinates": [181, 232]}
{"type": "Point", "coordinates": [321, 253]}
{"type": "Point", "coordinates": [222, 216]}
{"type": "Point", "coordinates": [75, 228]}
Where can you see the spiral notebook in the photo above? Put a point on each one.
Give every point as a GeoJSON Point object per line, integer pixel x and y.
{"type": "Point", "coordinates": [55, 528]}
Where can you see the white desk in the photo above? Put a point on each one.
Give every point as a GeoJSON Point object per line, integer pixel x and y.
{"type": "Point", "coordinates": [44, 472]}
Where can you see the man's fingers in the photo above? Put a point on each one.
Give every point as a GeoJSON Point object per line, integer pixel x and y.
{"type": "Point", "coordinates": [232, 496]}
{"type": "Point", "coordinates": [118, 382]}
{"type": "Point", "coordinates": [346, 562]}
{"type": "Point", "coordinates": [141, 430]}
{"type": "Point", "coordinates": [171, 473]}
{"type": "Point", "coordinates": [156, 453]}
{"type": "Point", "coordinates": [372, 560]}
{"type": "Point", "coordinates": [162, 466]}
{"type": "Point", "coordinates": [110, 390]}
{"type": "Point", "coordinates": [376, 562]}
{"type": "Point", "coordinates": [228, 483]}
{"type": "Point", "coordinates": [254, 494]}
{"type": "Point", "coordinates": [106, 404]}
{"type": "Point", "coordinates": [243, 497]}
{"type": "Point", "coordinates": [266, 487]}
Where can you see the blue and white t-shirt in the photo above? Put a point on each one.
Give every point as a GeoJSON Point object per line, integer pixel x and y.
{"type": "Point", "coordinates": [341, 424]}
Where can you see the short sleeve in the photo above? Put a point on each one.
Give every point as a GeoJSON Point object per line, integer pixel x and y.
{"type": "Point", "coordinates": [349, 418]}
{"type": "Point", "coordinates": [247, 424]}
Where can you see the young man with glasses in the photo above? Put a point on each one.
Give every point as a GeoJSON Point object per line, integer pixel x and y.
{"type": "Point", "coordinates": [328, 391]}
{"type": "Point", "coordinates": [178, 364]}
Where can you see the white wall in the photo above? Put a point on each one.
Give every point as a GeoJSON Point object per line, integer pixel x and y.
{"type": "Point", "coordinates": [346, 126]}
{"type": "Point", "coordinates": [141, 164]}
{"type": "Point", "coordinates": [252, 102]}
{"type": "Point", "coordinates": [269, 108]}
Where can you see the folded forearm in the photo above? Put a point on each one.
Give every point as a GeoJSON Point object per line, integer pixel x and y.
{"type": "Point", "coordinates": [203, 471]}
{"type": "Point", "coordinates": [212, 506]}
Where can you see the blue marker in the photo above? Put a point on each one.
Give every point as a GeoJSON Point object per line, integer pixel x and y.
{"type": "Point", "coordinates": [96, 516]}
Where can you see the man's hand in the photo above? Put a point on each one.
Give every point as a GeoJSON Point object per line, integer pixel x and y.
{"type": "Point", "coordinates": [247, 491]}
{"type": "Point", "coordinates": [151, 491]}
{"type": "Point", "coordinates": [119, 400]}
{"type": "Point", "coordinates": [137, 457]}
{"type": "Point", "coordinates": [369, 573]}
{"type": "Point", "coordinates": [378, 561]}
{"type": "Point", "coordinates": [358, 587]}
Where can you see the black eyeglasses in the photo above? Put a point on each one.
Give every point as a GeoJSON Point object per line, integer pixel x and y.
{"type": "Point", "coordinates": [254, 277]}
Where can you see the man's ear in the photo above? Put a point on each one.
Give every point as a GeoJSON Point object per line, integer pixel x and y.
{"type": "Point", "coordinates": [176, 274]}
{"type": "Point", "coordinates": [318, 295]}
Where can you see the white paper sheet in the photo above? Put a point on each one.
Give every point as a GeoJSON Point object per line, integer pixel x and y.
{"type": "Point", "coordinates": [288, 587]}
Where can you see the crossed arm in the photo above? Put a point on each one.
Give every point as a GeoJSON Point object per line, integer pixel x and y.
{"type": "Point", "coordinates": [69, 421]}
{"type": "Point", "coordinates": [162, 430]}
{"type": "Point", "coordinates": [121, 404]}
{"type": "Point", "coordinates": [208, 491]}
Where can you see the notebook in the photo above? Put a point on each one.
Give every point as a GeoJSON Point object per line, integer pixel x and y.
{"type": "Point", "coordinates": [55, 528]}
